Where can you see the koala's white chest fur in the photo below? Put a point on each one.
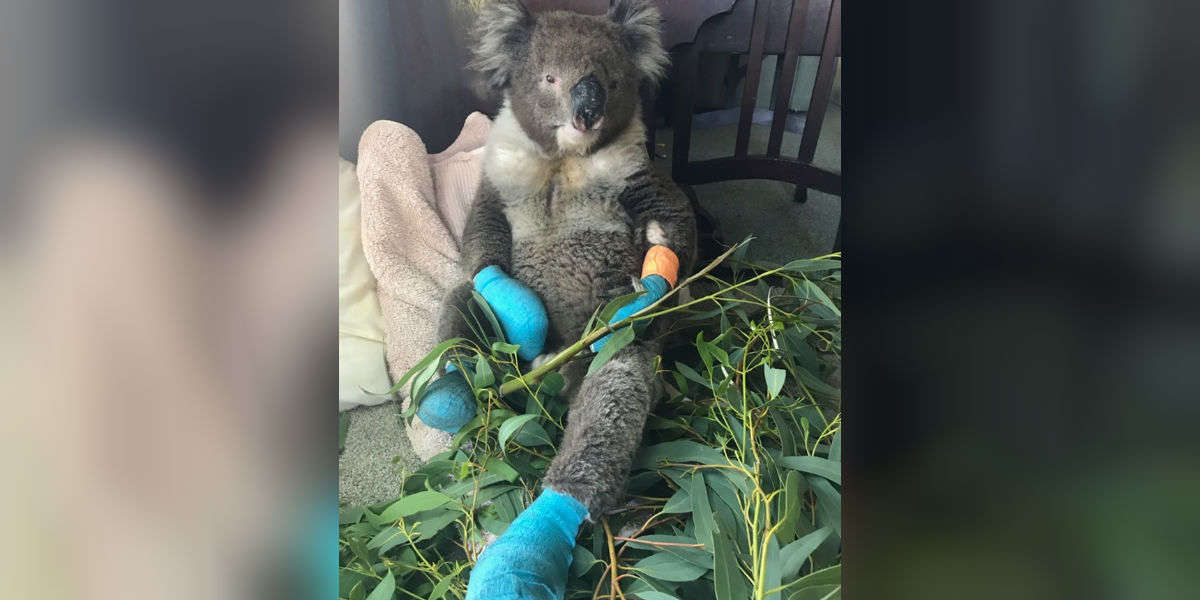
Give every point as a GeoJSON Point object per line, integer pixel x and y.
{"type": "Point", "coordinates": [549, 196]}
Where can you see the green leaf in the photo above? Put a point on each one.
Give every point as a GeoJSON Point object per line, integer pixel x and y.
{"type": "Point", "coordinates": [772, 577]}
{"type": "Point", "coordinates": [835, 446]}
{"type": "Point", "coordinates": [484, 377]}
{"type": "Point", "coordinates": [791, 508]}
{"type": "Point", "coordinates": [616, 341]}
{"type": "Point", "coordinates": [829, 504]}
{"type": "Point", "coordinates": [818, 592]}
{"type": "Point", "coordinates": [434, 356]}
{"type": "Point", "coordinates": [443, 585]}
{"type": "Point", "coordinates": [504, 348]}
{"type": "Point", "coordinates": [728, 582]}
{"type": "Point", "coordinates": [553, 383]}
{"type": "Point", "coordinates": [461, 489]}
{"type": "Point", "coordinates": [812, 292]}
{"type": "Point", "coordinates": [413, 504]}
{"type": "Point", "coordinates": [582, 560]}
{"type": "Point", "coordinates": [787, 434]}
{"type": "Point", "coordinates": [510, 426]}
{"type": "Point", "coordinates": [680, 502]}
{"type": "Point", "coordinates": [432, 522]}
{"type": "Point", "coordinates": [816, 465]}
{"type": "Point", "coordinates": [809, 265]}
{"type": "Point", "coordinates": [697, 556]}
{"type": "Point", "coordinates": [655, 595]}
{"type": "Point", "coordinates": [501, 469]}
{"type": "Point", "coordinates": [678, 451]}
{"type": "Point", "coordinates": [702, 513]}
{"type": "Point", "coordinates": [691, 374]}
{"type": "Point", "coordinates": [610, 309]}
{"type": "Point", "coordinates": [775, 378]}
{"type": "Point", "coordinates": [827, 576]}
{"type": "Point", "coordinates": [491, 316]}
{"type": "Point", "coordinates": [349, 514]}
{"type": "Point", "coordinates": [669, 567]}
{"type": "Point", "coordinates": [386, 589]}
{"type": "Point", "coordinates": [795, 553]}
{"type": "Point", "coordinates": [386, 539]}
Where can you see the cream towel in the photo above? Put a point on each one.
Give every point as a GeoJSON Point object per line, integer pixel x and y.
{"type": "Point", "coordinates": [414, 206]}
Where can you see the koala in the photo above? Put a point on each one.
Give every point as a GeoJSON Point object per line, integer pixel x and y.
{"type": "Point", "coordinates": [568, 205]}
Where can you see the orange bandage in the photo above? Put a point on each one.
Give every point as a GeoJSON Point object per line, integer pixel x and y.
{"type": "Point", "coordinates": [660, 260]}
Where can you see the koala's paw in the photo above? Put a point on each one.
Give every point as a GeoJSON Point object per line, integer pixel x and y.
{"type": "Point", "coordinates": [542, 359]}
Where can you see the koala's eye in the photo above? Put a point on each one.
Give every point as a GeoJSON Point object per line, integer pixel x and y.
{"type": "Point", "coordinates": [551, 79]}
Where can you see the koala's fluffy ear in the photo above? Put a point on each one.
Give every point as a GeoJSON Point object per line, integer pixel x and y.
{"type": "Point", "coordinates": [640, 25]}
{"type": "Point", "coordinates": [503, 30]}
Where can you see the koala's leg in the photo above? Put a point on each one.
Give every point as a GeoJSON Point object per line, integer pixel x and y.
{"type": "Point", "coordinates": [604, 430]}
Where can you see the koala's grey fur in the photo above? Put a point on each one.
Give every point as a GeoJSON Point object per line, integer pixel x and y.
{"type": "Point", "coordinates": [572, 214]}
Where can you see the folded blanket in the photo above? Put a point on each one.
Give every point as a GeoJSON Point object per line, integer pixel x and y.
{"type": "Point", "coordinates": [414, 207]}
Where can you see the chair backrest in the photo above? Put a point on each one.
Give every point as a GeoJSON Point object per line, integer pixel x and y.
{"type": "Point", "coordinates": [758, 28]}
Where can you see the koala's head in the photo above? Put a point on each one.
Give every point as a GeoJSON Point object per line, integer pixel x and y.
{"type": "Point", "coordinates": [571, 80]}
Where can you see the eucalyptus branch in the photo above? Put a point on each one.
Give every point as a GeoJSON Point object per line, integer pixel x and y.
{"type": "Point", "coordinates": [559, 359]}
{"type": "Point", "coordinates": [562, 357]}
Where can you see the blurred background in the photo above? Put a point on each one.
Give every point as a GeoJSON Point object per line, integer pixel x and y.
{"type": "Point", "coordinates": [168, 299]}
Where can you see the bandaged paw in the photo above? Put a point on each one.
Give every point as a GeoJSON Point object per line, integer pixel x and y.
{"type": "Point", "coordinates": [530, 560]}
{"type": "Point", "coordinates": [518, 309]}
{"type": "Point", "coordinates": [448, 402]}
{"type": "Point", "coordinates": [660, 270]}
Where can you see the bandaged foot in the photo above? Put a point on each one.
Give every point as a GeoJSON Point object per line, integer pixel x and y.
{"type": "Point", "coordinates": [530, 560]}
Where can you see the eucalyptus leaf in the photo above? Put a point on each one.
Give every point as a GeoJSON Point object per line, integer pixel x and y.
{"type": "Point", "coordinates": [669, 567]}
{"type": "Point", "coordinates": [775, 378]}
{"type": "Point", "coordinates": [484, 377]}
{"type": "Point", "coordinates": [616, 341]}
{"type": "Point", "coordinates": [413, 504]}
{"type": "Point", "coordinates": [829, 504]}
{"type": "Point", "coordinates": [795, 553]}
{"type": "Point", "coordinates": [728, 582]}
{"type": "Point", "coordinates": [510, 426]}
{"type": "Point", "coordinates": [702, 511]}
{"type": "Point", "coordinates": [773, 574]}
{"type": "Point", "coordinates": [680, 502]}
{"type": "Point", "coordinates": [815, 465]}
{"type": "Point", "coordinates": [386, 589]}
{"type": "Point", "coordinates": [681, 547]}
{"type": "Point", "coordinates": [678, 451]}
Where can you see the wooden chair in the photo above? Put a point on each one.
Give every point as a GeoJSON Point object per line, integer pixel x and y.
{"type": "Point", "coordinates": [757, 28]}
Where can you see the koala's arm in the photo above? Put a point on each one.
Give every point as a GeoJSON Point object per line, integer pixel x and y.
{"type": "Point", "coordinates": [663, 212]}
{"type": "Point", "coordinates": [486, 240]}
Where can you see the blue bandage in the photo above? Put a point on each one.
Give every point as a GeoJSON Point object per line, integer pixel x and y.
{"type": "Point", "coordinates": [530, 561]}
{"type": "Point", "coordinates": [520, 312]}
{"type": "Point", "coordinates": [656, 287]}
{"type": "Point", "coordinates": [448, 402]}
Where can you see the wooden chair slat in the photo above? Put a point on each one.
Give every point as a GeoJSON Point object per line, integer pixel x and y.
{"type": "Point", "coordinates": [758, 34]}
{"type": "Point", "coordinates": [824, 83]}
{"type": "Point", "coordinates": [786, 76]}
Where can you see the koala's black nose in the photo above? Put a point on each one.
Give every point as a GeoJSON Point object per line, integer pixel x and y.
{"type": "Point", "coordinates": [587, 102]}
